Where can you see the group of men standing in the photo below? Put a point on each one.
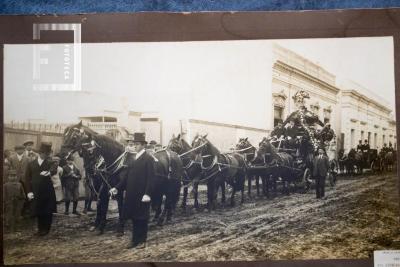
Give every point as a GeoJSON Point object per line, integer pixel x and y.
{"type": "Point", "coordinates": [35, 182]}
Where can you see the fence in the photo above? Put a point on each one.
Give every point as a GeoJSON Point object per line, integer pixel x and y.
{"type": "Point", "coordinates": [41, 127]}
{"type": "Point", "coordinates": [13, 137]}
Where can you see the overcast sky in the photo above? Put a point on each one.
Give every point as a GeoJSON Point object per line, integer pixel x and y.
{"type": "Point", "coordinates": [219, 81]}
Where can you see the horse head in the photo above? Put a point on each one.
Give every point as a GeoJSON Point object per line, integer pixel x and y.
{"type": "Point", "coordinates": [178, 144]}
{"type": "Point", "coordinates": [75, 137]}
{"type": "Point", "coordinates": [200, 142]}
{"type": "Point", "coordinates": [243, 143]}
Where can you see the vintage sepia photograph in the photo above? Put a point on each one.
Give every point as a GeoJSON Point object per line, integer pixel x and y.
{"type": "Point", "coordinates": [245, 150]}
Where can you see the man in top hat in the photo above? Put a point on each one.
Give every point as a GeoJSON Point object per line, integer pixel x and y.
{"type": "Point", "coordinates": [40, 188]}
{"type": "Point", "coordinates": [320, 171]}
{"type": "Point", "coordinates": [360, 146]}
{"type": "Point", "coordinates": [19, 161]}
{"type": "Point", "coordinates": [29, 153]}
{"type": "Point", "coordinates": [390, 148]}
{"type": "Point", "coordinates": [278, 130]}
{"type": "Point", "coordinates": [138, 183]}
{"type": "Point", "coordinates": [366, 146]}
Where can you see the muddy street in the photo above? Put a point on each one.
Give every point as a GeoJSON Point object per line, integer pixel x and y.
{"type": "Point", "coordinates": [358, 216]}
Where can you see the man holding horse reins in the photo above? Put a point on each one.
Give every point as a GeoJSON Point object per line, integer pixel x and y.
{"type": "Point", "coordinates": [138, 183]}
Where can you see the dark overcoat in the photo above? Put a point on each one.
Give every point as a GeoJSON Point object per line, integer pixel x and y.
{"type": "Point", "coordinates": [321, 166]}
{"type": "Point", "coordinates": [291, 131]}
{"type": "Point", "coordinates": [44, 201]}
{"type": "Point", "coordinates": [137, 181]}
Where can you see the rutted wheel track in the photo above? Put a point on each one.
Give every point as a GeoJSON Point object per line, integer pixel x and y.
{"type": "Point", "coordinates": [256, 230]}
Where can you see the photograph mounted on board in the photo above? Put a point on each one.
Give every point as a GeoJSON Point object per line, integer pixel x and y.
{"type": "Point", "coordinates": [200, 151]}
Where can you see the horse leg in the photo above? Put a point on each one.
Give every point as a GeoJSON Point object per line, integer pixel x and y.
{"type": "Point", "coordinates": [258, 185]}
{"type": "Point", "coordinates": [168, 208]}
{"type": "Point", "coordinates": [210, 194]}
{"type": "Point", "coordinates": [249, 185]}
{"type": "Point", "coordinates": [121, 220]}
{"type": "Point", "coordinates": [223, 198]}
{"type": "Point", "coordinates": [185, 194]}
{"type": "Point", "coordinates": [233, 194]}
{"type": "Point", "coordinates": [264, 185]}
{"type": "Point", "coordinates": [196, 194]}
{"type": "Point", "coordinates": [242, 182]}
{"type": "Point", "coordinates": [156, 207]}
{"type": "Point", "coordinates": [104, 200]}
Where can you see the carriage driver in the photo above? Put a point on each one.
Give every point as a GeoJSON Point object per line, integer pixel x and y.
{"type": "Point", "coordinates": [390, 148]}
{"type": "Point", "coordinates": [278, 134]}
{"type": "Point", "coordinates": [291, 133]}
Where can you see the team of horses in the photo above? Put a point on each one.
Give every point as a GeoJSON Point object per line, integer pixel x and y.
{"type": "Point", "coordinates": [185, 165]}
{"type": "Point", "coordinates": [355, 162]}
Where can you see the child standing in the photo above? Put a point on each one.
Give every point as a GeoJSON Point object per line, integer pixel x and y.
{"type": "Point", "coordinates": [14, 198]}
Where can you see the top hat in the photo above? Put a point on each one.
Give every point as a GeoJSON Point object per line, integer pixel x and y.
{"type": "Point", "coordinates": [27, 143]}
{"type": "Point", "coordinates": [152, 142]}
{"type": "Point", "coordinates": [45, 147]}
{"type": "Point", "coordinates": [139, 137]}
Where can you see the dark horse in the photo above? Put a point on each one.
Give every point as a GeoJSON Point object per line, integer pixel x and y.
{"type": "Point", "coordinates": [191, 167]}
{"type": "Point", "coordinates": [168, 171]}
{"type": "Point", "coordinates": [280, 164]}
{"type": "Point", "coordinates": [388, 161]}
{"type": "Point", "coordinates": [354, 159]}
{"type": "Point", "coordinates": [94, 147]}
{"type": "Point", "coordinates": [256, 167]}
{"type": "Point", "coordinates": [218, 168]}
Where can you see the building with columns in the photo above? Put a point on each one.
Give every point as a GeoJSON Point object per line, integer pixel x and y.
{"type": "Point", "coordinates": [353, 112]}
{"type": "Point", "coordinates": [291, 73]}
{"type": "Point", "coordinates": [365, 116]}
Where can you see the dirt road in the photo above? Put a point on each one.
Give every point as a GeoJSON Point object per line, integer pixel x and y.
{"type": "Point", "coordinates": [358, 216]}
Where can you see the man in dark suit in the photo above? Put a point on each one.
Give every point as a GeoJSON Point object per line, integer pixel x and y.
{"type": "Point", "coordinates": [360, 146]}
{"type": "Point", "coordinates": [320, 171]}
{"type": "Point", "coordinates": [40, 188]}
{"type": "Point", "coordinates": [138, 183]}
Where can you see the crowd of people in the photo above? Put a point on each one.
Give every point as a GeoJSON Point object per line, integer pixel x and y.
{"type": "Point", "coordinates": [34, 183]}
{"type": "Point", "coordinates": [27, 171]}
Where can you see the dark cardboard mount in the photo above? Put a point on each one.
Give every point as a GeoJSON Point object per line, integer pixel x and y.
{"type": "Point", "coordinates": [206, 26]}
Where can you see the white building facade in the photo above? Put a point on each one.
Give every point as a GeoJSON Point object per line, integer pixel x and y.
{"type": "Point", "coordinates": [365, 117]}
{"type": "Point", "coordinates": [291, 73]}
